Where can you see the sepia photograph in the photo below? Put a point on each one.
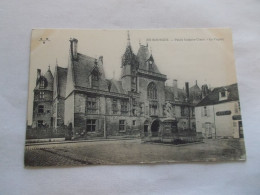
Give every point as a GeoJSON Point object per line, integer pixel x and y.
{"type": "Point", "coordinates": [115, 97]}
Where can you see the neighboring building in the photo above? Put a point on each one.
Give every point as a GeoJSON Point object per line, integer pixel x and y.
{"type": "Point", "coordinates": [138, 104]}
{"type": "Point", "coordinates": [42, 102]}
{"type": "Point", "coordinates": [218, 114]}
{"type": "Point", "coordinates": [180, 104]}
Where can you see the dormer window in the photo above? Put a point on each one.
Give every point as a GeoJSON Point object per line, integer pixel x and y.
{"type": "Point", "coordinates": [42, 84]}
{"type": "Point", "coordinates": [150, 65]}
{"type": "Point", "coordinates": [95, 79]}
{"type": "Point", "coordinates": [223, 95]}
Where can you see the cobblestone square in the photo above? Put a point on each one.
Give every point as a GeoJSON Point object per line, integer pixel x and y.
{"type": "Point", "coordinates": [131, 152]}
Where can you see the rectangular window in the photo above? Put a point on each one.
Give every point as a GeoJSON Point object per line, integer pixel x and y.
{"type": "Point", "coordinates": [121, 125]}
{"type": "Point", "coordinates": [114, 106]}
{"type": "Point", "coordinates": [40, 123]}
{"type": "Point", "coordinates": [91, 125]}
{"type": "Point", "coordinates": [92, 105]}
{"type": "Point", "coordinates": [42, 84]}
{"type": "Point", "coordinates": [223, 94]}
{"type": "Point", "coordinates": [133, 122]}
{"type": "Point", "coordinates": [134, 102]}
{"type": "Point", "coordinates": [124, 106]}
{"type": "Point", "coordinates": [40, 109]}
{"type": "Point", "coordinates": [41, 94]}
{"type": "Point", "coordinates": [134, 112]}
{"type": "Point", "coordinates": [153, 109]}
{"type": "Point", "coordinates": [182, 111]}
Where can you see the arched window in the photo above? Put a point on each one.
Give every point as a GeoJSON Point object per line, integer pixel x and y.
{"type": "Point", "coordinates": [152, 91]}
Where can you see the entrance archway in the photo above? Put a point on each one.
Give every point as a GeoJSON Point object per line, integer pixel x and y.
{"type": "Point", "coordinates": [155, 128]}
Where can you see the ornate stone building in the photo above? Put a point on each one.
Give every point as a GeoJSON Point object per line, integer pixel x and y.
{"type": "Point", "coordinates": [138, 104]}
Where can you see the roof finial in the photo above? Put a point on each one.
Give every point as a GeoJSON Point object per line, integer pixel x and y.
{"type": "Point", "coordinates": [128, 38]}
{"type": "Point", "coordinates": [113, 74]}
{"type": "Point", "coordinates": [49, 67]}
{"type": "Point", "coordinates": [56, 62]}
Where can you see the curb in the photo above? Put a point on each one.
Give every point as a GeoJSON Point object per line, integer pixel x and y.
{"type": "Point", "coordinates": [95, 140]}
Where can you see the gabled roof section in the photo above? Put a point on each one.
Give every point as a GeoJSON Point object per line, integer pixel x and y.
{"type": "Point", "coordinates": [48, 79]}
{"type": "Point", "coordinates": [169, 94]}
{"type": "Point", "coordinates": [82, 68]}
{"type": "Point", "coordinates": [213, 97]}
{"type": "Point", "coordinates": [116, 86]}
{"type": "Point", "coordinates": [195, 94]}
{"type": "Point", "coordinates": [143, 55]}
{"type": "Point", "coordinates": [195, 88]}
{"type": "Point", "coordinates": [129, 57]}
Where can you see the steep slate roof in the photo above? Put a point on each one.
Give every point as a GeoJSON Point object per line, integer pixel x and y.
{"type": "Point", "coordinates": [129, 57]}
{"type": "Point", "coordinates": [116, 86]}
{"type": "Point", "coordinates": [62, 81]}
{"type": "Point", "coordinates": [213, 97]}
{"type": "Point", "coordinates": [195, 94]}
{"type": "Point", "coordinates": [169, 94]}
{"type": "Point", "coordinates": [82, 68]}
{"type": "Point", "coordinates": [194, 88]}
{"type": "Point", "coordinates": [48, 79]}
{"type": "Point", "coordinates": [143, 55]}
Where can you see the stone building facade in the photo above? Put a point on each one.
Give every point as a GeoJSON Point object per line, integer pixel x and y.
{"type": "Point", "coordinates": [218, 115]}
{"type": "Point", "coordinates": [139, 104]}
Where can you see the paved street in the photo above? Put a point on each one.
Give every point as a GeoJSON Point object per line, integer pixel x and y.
{"type": "Point", "coordinates": [130, 152]}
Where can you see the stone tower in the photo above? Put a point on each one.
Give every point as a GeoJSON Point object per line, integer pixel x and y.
{"type": "Point", "coordinates": [129, 68]}
{"type": "Point", "coordinates": [43, 98]}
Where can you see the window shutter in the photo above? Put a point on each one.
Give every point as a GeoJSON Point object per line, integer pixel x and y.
{"type": "Point", "coordinates": [202, 111]}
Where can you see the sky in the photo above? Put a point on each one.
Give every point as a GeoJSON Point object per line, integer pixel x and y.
{"type": "Point", "coordinates": [205, 55]}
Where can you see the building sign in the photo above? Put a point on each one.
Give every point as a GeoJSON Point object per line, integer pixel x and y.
{"type": "Point", "coordinates": [222, 113]}
{"type": "Point", "coordinates": [236, 117]}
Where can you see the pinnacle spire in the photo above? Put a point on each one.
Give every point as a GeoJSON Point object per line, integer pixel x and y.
{"type": "Point", "coordinates": [128, 38]}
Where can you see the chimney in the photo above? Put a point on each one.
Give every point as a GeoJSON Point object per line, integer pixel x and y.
{"type": "Point", "coordinates": [175, 89]}
{"type": "Point", "coordinates": [73, 48]}
{"type": "Point", "coordinates": [205, 90]}
{"type": "Point", "coordinates": [187, 90]}
{"type": "Point", "coordinates": [38, 75]}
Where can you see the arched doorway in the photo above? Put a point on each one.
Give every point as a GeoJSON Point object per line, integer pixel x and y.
{"type": "Point", "coordinates": [146, 124]}
{"type": "Point", "coordinates": [155, 127]}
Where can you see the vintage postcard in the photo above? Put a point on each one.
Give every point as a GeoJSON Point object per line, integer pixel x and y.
{"type": "Point", "coordinates": [132, 96]}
